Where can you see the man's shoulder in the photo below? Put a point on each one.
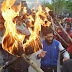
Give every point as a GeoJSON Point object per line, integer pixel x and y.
{"type": "Point", "coordinates": [43, 41]}
{"type": "Point", "coordinates": [56, 41]}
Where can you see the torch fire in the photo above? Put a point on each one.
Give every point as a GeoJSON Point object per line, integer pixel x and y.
{"type": "Point", "coordinates": [12, 40]}
{"type": "Point", "coordinates": [11, 37]}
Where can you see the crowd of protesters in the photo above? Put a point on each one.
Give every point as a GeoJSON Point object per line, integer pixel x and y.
{"type": "Point", "coordinates": [22, 27]}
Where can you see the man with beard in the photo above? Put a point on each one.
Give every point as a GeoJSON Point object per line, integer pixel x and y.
{"type": "Point", "coordinates": [64, 36]}
{"type": "Point", "coordinates": [50, 52]}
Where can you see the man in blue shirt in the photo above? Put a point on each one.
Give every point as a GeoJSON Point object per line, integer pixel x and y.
{"type": "Point", "coordinates": [50, 52]}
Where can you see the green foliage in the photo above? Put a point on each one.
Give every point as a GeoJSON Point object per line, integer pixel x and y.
{"type": "Point", "coordinates": [50, 6]}
{"type": "Point", "coordinates": [59, 6]}
{"type": "Point", "coordinates": [69, 6]}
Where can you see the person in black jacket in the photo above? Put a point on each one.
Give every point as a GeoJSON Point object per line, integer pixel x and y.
{"type": "Point", "coordinates": [67, 66]}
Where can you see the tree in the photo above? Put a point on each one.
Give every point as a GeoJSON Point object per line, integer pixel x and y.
{"type": "Point", "coordinates": [50, 6]}
{"type": "Point", "coordinates": [69, 6]}
{"type": "Point", "coordinates": [59, 5]}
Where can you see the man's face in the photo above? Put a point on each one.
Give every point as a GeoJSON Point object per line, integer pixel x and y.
{"type": "Point", "coordinates": [49, 38]}
{"type": "Point", "coordinates": [68, 28]}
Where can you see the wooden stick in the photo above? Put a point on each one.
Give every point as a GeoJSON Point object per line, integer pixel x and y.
{"type": "Point", "coordinates": [57, 33]}
{"type": "Point", "coordinates": [32, 63]}
{"type": "Point", "coordinates": [27, 59]}
{"type": "Point", "coordinates": [52, 15]}
{"type": "Point", "coordinates": [8, 64]}
{"type": "Point", "coordinates": [64, 30]}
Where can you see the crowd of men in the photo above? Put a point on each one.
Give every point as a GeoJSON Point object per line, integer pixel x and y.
{"type": "Point", "coordinates": [52, 44]}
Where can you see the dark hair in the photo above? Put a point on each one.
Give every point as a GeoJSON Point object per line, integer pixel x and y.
{"type": "Point", "coordinates": [49, 30]}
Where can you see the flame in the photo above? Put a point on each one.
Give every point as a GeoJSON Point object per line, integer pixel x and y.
{"type": "Point", "coordinates": [40, 18]}
{"type": "Point", "coordinates": [11, 35]}
{"type": "Point", "coordinates": [24, 10]}
{"type": "Point", "coordinates": [11, 38]}
{"type": "Point", "coordinates": [38, 21]}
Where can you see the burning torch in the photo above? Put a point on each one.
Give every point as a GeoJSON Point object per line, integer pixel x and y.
{"type": "Point", "coordinates": [13, 42]}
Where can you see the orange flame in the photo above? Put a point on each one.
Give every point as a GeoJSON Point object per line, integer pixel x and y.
{"type": "Point", "coordinates": [37, 24]}
{"type": "Point", "coordinates": [11, 37]}
{"type": "Point", "coordinates": [8, 14]}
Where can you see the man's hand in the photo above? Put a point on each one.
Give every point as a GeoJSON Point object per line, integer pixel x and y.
{"type": "Point", "coordinates": [42, 54]}
{"type": "Point", "coordinates": [65, 59]}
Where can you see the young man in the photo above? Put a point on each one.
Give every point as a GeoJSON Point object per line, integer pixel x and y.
{"type": "Point", "coordinates": [69, 48]}
{"type": "Point", "coordinates": [49, 53]}
{"type": "Point", "coordinates": [64, 36]}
